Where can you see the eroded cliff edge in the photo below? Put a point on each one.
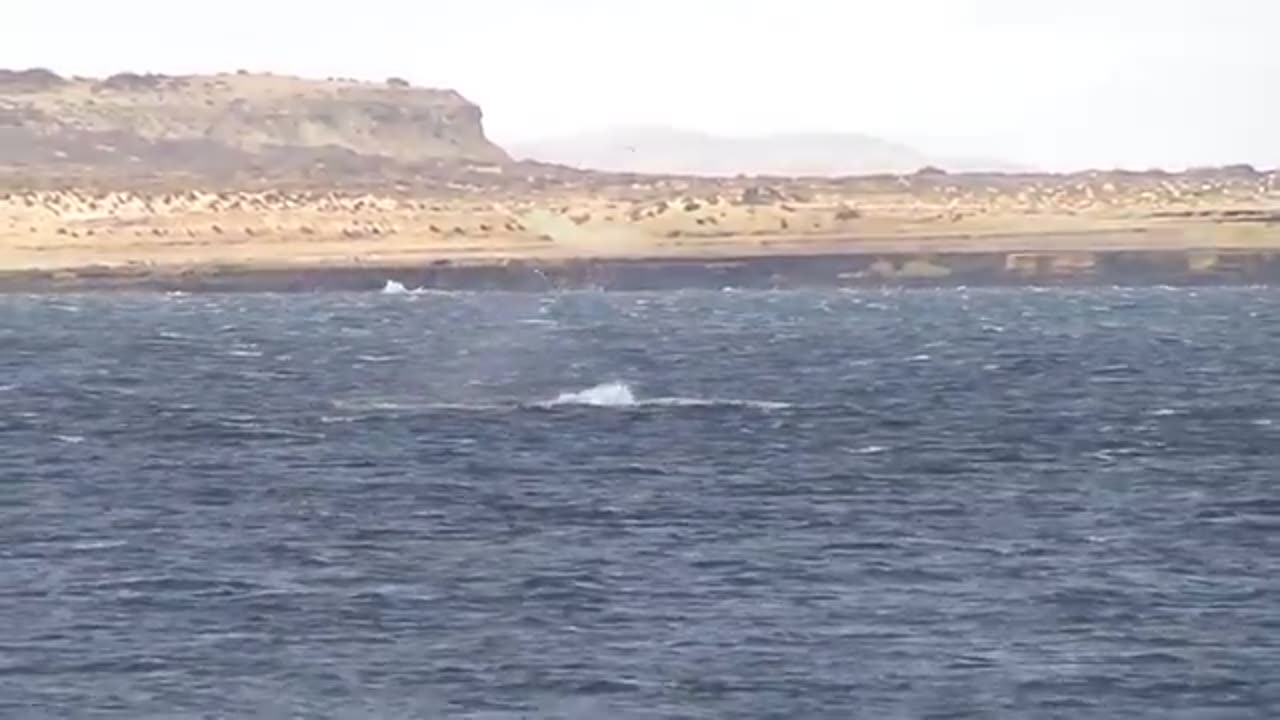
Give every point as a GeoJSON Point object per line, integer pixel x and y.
{"type": "Point", "coordinates": [227, 128]}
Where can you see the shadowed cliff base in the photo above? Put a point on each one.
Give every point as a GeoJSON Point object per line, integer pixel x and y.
{"type": "Point", "coordinates": [970, 269]}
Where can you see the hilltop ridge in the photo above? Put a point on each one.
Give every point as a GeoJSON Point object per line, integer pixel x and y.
{"type": "Point", "coordinates": [217, 126]}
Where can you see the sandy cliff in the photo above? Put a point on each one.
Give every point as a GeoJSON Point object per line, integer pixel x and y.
{"type": "Point", "coordinates": [217, 128]}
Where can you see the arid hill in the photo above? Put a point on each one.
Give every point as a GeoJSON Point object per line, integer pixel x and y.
{"type": "Point", "coordinates": [148, 177]}
{"type": "Point", "coordinates": [220, 126]}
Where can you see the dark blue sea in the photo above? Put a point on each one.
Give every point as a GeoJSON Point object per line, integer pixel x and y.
{"type": "Point", "coordinates": [873, 504]}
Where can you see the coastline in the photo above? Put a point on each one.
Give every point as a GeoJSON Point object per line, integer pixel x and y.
{"type": "Point", "coordinates": [1141, 267]}
{"type": "Point", "coordinates": [617, 232]}
{"type": "Point", "coordinates": [258, 182]}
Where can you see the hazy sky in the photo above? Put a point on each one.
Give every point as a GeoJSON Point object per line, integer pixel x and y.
{"type": "Point", "coordinates": [1055, 83]}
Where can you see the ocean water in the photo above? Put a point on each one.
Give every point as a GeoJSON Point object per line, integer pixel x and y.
{"type": "Point", "coordinates": [913, 504]}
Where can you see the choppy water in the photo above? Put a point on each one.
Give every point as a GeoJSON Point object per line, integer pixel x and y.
{"type": "Point", "coordinates": [704, 505]}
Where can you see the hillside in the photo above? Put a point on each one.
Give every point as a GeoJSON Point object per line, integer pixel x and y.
{"type": "Point", "coordinates": [221, 125]}
{"type": "Point", "coordinates": [667, 151]}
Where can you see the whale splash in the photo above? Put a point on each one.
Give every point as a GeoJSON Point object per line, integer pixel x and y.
{"type": "Point", "coordinates": [620, 395]}
{"type": "Point", "coordinates": [611, 394]}
{"type": "Point", "coordinates": [615, 395]}
{"type": "Point", "coordinates": [394, 287]}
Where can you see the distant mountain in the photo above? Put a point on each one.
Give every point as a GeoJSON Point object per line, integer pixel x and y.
{"type": "Point", "coordinates": [660, 150]}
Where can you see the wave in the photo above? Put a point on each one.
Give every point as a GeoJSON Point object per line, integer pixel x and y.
{"type": "Point", "coordinates": [368, 408]}
{"type": "Point", "coordinates": [610, 395]}
{"type": "Point", "coordinates": [394, 287]}
{"type": "Point", "coordinates": [620, 395]}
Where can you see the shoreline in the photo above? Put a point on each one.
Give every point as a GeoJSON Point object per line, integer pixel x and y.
{"type": "Point", "coordinates": [260, 182]}
{"type": "Point", "coordinates": [849, 269]}
{"type": "Point", "coordinates": [634, 233]}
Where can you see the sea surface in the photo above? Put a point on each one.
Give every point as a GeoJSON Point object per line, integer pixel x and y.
{"type": "Point", "coordinates": [874, 504]}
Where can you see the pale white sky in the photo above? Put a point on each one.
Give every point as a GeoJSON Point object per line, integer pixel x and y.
{"type": "Point", "coordinates": [1056, 83]}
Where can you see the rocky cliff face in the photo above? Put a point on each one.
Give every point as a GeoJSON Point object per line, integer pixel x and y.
{"type": "Point", "coordinates": [222, 125]}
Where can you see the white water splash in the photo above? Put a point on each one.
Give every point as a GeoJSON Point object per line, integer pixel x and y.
{"type": "Point", "coordinates": [394, 287]}
{"type": "Point", "coordinates": [613, 394]}
{"type": "Point", "coordinates": [620, 395]}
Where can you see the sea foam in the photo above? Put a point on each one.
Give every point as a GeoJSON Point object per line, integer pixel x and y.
{"type": "Point", "coordinates": [611, 394]}
{"type": "Point", "coordinates": [394, 287]}
{"type": "Point", "coordinates": [614, 394]}
{"type": "Point", "coordinates": [617, 394]}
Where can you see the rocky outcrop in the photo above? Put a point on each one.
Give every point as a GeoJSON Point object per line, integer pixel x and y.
{"type": "Point", "coordinates": [219, 125]}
